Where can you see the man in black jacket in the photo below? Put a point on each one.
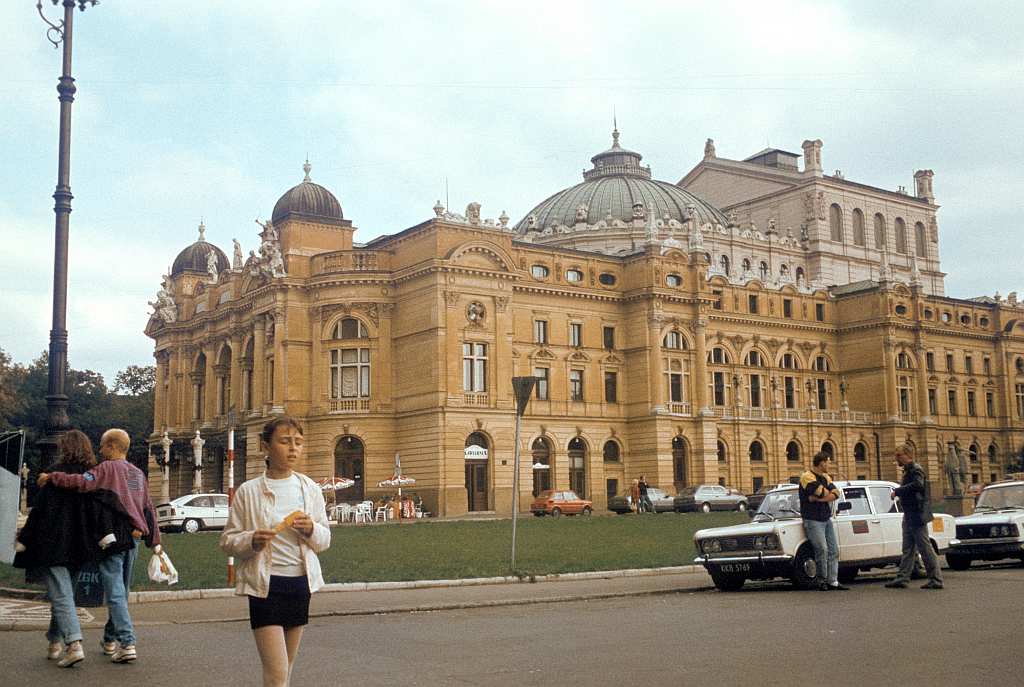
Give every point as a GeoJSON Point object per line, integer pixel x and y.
{"type": "Point", "coordinates": [917, 513]}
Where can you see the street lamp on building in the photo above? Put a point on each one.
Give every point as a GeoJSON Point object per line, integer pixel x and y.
{"type": "Point", "coordinates": [56, 400]}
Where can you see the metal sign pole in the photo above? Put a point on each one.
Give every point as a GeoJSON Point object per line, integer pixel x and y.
{"type": "Point", "coordinates": [231, 487]}
{"type": "Point", "coordinates": [523, 388]}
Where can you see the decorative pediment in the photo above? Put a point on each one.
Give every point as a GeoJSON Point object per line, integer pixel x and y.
{"type": "Point", "coordinates": [542, 354]}
{"type": "Point", "coordinates": [578, 357]}
{"type": "Point", "coordinates": [481, 255]}
{"type": "Point", "coordinates": [612, 359]}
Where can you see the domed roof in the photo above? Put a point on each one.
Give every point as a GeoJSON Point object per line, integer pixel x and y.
{"type": "Point", "coordinates": [307, 200]}
{"type": "Point", "coordinates": [613, 186]}
{"type": "Point", "coordinates": [193, 258]}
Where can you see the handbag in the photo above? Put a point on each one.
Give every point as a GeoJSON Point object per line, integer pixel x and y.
{"type": "Point", "coordinates": [160, 567]}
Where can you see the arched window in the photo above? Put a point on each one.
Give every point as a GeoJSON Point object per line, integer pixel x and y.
{"type": "Point", "coordinates": [348, 462]}
{"type": "Point", "coordinates": [754, 359]}
{"type": "Point", "coordinates": [723, 453]}
{"type": "Point", "coordinates": [919, 241]}
{"type": "Point", "coordinates": [756, 452]}
{"type": "Point", "coordinates": [835, 222]}
{"type": "Point", "coordinates": [829, 450]}
{"type": "Point", "coordinates": [784, 271]}
{"type": "Point", "coordinates": [222, 370]}
{"type": "Point", "coordinates": [542, 468]}
{"type": "Point", "coordinates": [611, 452]}
{"type": "Point", "coordinates": [199, 388]}
{"type": "Point", "coordinates": [992, 455]}
{"type": "Point", "coordinates": [746, 265]}
{"type": "Point", "coordinates": [903, 361]}
{"type": "Point", "coordinates": [789, 362]}
{"type": "Point", "coordinates": [350, 328]}
{"type": "Point", "coordinates": [901, 235]}
{"type": "Point", "coordinates": [573, 275]}
{"type": "Point", "coordinates": [763, 270]}
{"type": "Point", "coordinates": [679, 460]}
{"type": "Point", "coordinates": [723, 263]}
{"type": "Point", "coordinates": [477, 457]}
{"type": "Point", "coordinates": [793, 452]}
{"type": "Point", "coordinates": [880, 234]}
{"type": "Point", "coordinates": [578, 466]}
{"type": "Point", "coordinates": [718, 356]}
{"type": "Point", "coordinates": [673, 280]}
{"type": "Point", "coordinates": [821, 364]}
{"type": "Point", "coordinates": [972, 453]}
{"type": "Point", "coordinates": [858, 228]}
{"type": "Point", "coordinates": [675, 341]}
{"type": "Point", "coordinates": [860, 452]}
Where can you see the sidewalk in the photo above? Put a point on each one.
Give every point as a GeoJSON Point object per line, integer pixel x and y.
{"type": "Point", "coordinates": [206, 606]}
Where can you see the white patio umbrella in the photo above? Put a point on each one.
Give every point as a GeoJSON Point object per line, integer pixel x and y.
{"type": "Point", "coordinates": [335, 483]}
{"type": "Point", "coordinates": [397, 480]}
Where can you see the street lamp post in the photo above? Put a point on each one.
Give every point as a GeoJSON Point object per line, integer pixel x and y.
{"type": "Point", "coordinates": [56, 400]}
{"type": "Point", "coordinates": [523, 389]}
{"type": "Point", "coordinates": [165, 483]}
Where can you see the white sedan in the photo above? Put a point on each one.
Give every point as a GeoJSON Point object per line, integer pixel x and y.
{"type": "Point", "coordinates": [868, 522]}
{"type": "Point", "coordinates": [193, 512]}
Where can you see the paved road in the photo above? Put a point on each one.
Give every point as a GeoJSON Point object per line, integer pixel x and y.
{"type": "Point", "coordinates": [965, 635]}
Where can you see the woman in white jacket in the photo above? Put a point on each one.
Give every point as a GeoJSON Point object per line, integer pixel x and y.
{"type": "Point", "coordinates": [275, 529]}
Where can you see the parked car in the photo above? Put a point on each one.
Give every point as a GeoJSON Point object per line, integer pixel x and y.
{"type": "Point", "coordinates": [995, 530]}
{"type": "Point", "coordinates": [660, 499]}
{"type": "Point", "coordinates": [193, 512]}
{"type": "Point", "coordinates": [708, 497]}
{"type": "Point", "coordinates": [868, 523]}
{"type": "Point", "coordinates": [754, 500]}
{"type": "Point", "coordinates": [556, 503]}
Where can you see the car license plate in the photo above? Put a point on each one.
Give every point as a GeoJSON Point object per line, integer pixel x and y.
{"type": "Point", "coordinates": [735, 567]}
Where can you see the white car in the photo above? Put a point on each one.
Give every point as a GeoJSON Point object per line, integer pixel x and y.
{"type": "Point", "coordinates": [193, 512]}
{"type": "Point", "coordinates": [995, 530]}
{"type": "Point", "coordinates": [868, 523]}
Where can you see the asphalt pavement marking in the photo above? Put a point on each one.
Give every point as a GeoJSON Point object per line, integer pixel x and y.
{"type": "Point", "coordinates": [12, 610]}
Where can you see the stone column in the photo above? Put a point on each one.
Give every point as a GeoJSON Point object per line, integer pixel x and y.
{"type": "Point", "coordinates": [259, 364]}
{"type": "Point", "coordinates": [280, 364]}
{"type": "Point", "coordinates": [160, 393]}
{"type": "Point", "coordinates": [892, 410]}
{"type": "Point", "coordinates": [700, 366]}
{"type": "Point", "coordinates": [210, 392]}
{"type": "Point", "coordinates": [923, 412]}
{"type": "Point", "coordinates": [655, 373]}
{"type": "Point", "coordinates": [236, 371]}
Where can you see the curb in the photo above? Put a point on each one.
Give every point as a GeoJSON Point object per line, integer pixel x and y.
{"type": "Point", "coordinates": [222, 593]}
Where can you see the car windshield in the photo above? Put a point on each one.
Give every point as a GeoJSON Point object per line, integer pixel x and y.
{"type": "Point", "coordinates": [1001, 497]}
{"type": "Point", "coordinates": [780, 504]}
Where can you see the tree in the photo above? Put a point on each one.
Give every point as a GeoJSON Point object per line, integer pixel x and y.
{"type": "Point", "coordinates": [136, 380]}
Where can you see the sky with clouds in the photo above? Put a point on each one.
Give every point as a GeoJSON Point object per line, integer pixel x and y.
{"type": "Point", "coordinates": [194, 110]}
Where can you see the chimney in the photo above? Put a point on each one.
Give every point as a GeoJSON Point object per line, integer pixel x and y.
{"type": "Point", "coordinates": [923, 184]}
{"type": "Point", "coordinates": [812, 157]}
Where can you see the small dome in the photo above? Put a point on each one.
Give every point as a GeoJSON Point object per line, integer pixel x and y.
{"type": "Point", "coordinates": [612, 187]}
{"type": "Point", "coordinates": [307, 200]}
{"type": "Point", "coordinates": [194, 258]}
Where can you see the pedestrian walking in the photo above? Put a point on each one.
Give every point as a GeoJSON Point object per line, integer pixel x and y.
{"type": "Point", "coordinates": [276, 528]}
{"type": "Point", "coordinates": [116, 481]}
{"type": "Point", "coordinates": [645, 500]}
{"type": "Point", "coordinates": [634, 496]}
{"type": "Point", "coordinates": [915, 501]}
{"type": "Point", "coordinates": [817, 492]}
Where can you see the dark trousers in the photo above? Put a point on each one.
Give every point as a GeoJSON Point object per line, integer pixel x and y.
{"type": "Point", "coordinates": [915, 541]}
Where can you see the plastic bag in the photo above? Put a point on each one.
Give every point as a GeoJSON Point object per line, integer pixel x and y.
{"type": "Point", "coordinates": [160, 567]}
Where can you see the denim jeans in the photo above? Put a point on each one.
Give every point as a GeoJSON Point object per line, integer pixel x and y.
{"type": "Point", "coordinates": [915, 541]}
{"type": "Point", "coordinates": [116, 573]}
{"type": "Point", "coordinates": [60, 587]}
{"type": "Point", "coordinates": [822, 536]}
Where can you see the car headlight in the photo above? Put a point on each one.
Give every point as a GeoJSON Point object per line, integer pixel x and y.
{"type": "Point", "coordinates": [711, 546]}
{"type": "Point", "coordinates": [993, 531]}
{"type": "Point", "coordinates": [767, 542]}
{"type": "Point", "coordinates": [1005, 531]}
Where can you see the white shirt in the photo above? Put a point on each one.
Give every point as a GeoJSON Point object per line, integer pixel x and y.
{"type": "Point", "coordinates": [285, 554]}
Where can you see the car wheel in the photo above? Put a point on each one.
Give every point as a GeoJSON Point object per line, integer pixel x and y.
{"type": "Point", "coordinates": [705, 507]}
{"type": "Point", "coordinates": [728, 582]}
{"type": "Point", "coordinates": [741, 506]}
{"type": "Point", "coordinates": [556, 512]}
{"type": "Point", "coordinates": [586, 511]}
{"type": "Point", "coordinates": [957, 561]}
{"type": "Point", "coordinates": [848, 575]}
{"type": "Point", "coordinates": [805, 570]}
{"type": "Point", "coordinates": [191, 526]}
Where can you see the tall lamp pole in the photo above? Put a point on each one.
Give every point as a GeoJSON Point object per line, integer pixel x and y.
{"type": "Point", "coordinates": [523, 388]}
{"type": "Point", "coordinates": [56, 400]}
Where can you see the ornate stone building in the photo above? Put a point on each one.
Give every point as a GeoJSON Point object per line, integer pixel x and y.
{"type": "Point", "coordinates": [722, 329]}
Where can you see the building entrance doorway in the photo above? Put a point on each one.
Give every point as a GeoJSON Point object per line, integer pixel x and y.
{"type": "Point", "coordinates": [348, 462]}
{"type": "Point", "coordinates": [477, 457]}
{"type": "Point", "coordinates": [578, 467]}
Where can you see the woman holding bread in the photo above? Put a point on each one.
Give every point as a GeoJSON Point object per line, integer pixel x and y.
{"type": "Point", "coordinates": [276, 528]}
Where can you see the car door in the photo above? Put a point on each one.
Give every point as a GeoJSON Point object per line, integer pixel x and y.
{"type": "Point", "coordinates": [220, 510]}
{"type": "Point", "coordinates": [657, 497]}
{"type": "Point", "coordinates": [722, 500]}
{"type": "Point", "coordinates": [887, 512]}
{"type": "Point", "coordinates": [860, 532]}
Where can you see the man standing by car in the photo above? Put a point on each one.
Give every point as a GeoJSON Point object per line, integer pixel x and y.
{"type": "Point", "coordinates": [915, 500]}
{"type": "Point", "coordinates": [817, 492]}
{"type": "Point", "coordinates": [645, 501]}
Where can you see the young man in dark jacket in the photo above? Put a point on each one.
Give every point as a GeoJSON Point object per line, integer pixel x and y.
{"type": "Point", "coordinates": [917, 513]}
{"type": "Point", "coordinates": [817, 492]}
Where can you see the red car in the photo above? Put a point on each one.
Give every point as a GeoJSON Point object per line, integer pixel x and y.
{"type": "Point", "coordinates": [555, 503]}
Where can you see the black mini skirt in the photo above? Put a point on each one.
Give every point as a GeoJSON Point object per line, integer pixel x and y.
{"type": "Point", "coordinates": [287, 603]}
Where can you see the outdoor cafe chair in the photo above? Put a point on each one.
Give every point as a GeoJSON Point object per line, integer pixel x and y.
{"type": "Point", "coordinates": [363, 512]}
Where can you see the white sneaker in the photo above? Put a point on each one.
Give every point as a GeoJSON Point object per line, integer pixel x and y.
{"type": "Point", "coordinates": [124, 653]}
{"type": "Point", "coordinates": [73, 655]}
{"type": "Point", "coordinates": [54, 650]}
{"type": "Point", "coordinates": [108, 647]}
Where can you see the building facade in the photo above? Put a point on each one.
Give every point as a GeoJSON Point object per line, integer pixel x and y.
{"type": "Point", "coordinates": [723, 329]}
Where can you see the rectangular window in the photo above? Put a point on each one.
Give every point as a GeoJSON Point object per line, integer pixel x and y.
{"type": "Point", "coordinates": [819, 312]}
{"type": "Point", "coordinates": [675, 387]}
{"type": "Point", "coordinates": [822, 395]}
{"type": "Point", "coordinates": [949, 362]}
{"type": "Point", "coordinates": [951, 402]}
{"type": "Point", "coordinates": [986, 365]}
{"type": "Point", "coordinates": [474, 367]}
{"type": "Point", "coordinates": [972, 408]}
{"type": "Point", "coordinates": [575, 334]}
{"type": "Point", "coordinates": [544, 375]}
{"type": "Point", "coordinates": [929, 361]}
{"type": "Point", "coordinates": [752, 304]}
{"type": "Point", "coordinates": [350, 373]}
{"type": "Point", "coordinates": [968, 364]}
{"type": "Point", "coordinates": [540, 331]}
{"type": "Point", "coordinates": [990, 407]}
{"type": "Point", "coordinates": [1020, 400]}
{"type": "Point", "coordinates": [575, 385]}
{"type": "Point", "coordinates": [787, 307]}
{"type": "Point", "coordinates": [718, 383]}
{"type": "Point", "coordinates": [717, 295]}
{"type": "Point", "coordinates": [755, 391]}
{"type": "Point", "coordinates": [611, 387]}
{"type": "Point", "coordinates": [789, 385]}
{"type": "Point", "coordinates": [609, 338]}
{"type": "Point", "coordinates": [933, 402]}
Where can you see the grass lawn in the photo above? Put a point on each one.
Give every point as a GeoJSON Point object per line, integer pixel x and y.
{"type": "Point", "coordinates": [448, 550]}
